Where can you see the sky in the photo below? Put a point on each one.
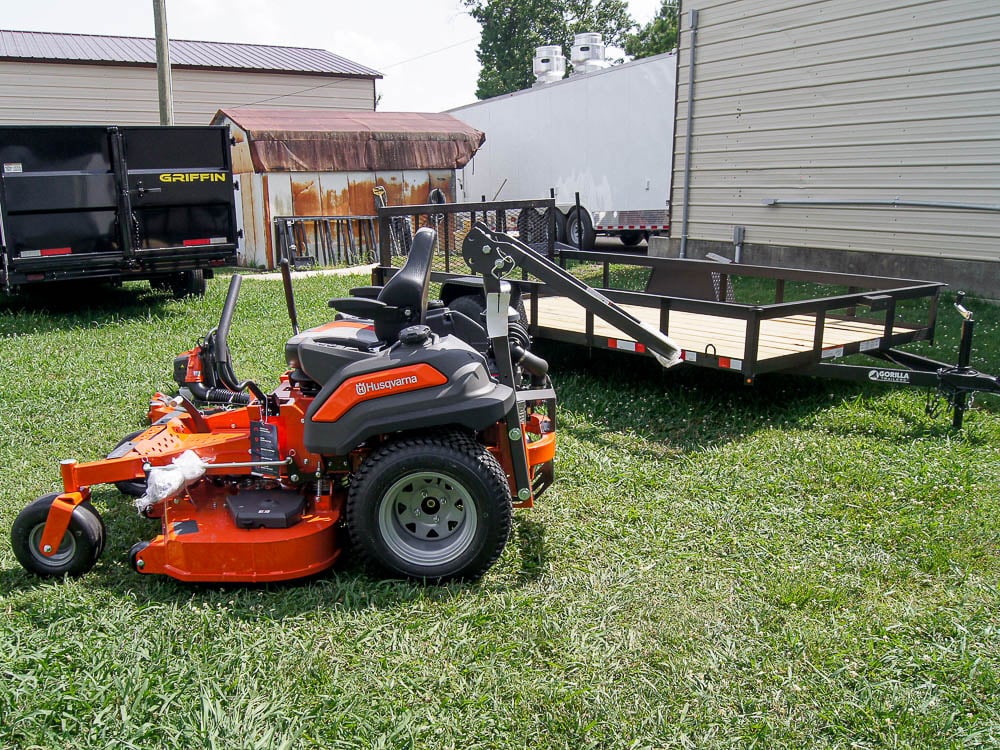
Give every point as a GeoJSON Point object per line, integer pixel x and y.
{"type": "Point", "coordinates": [425, 49]}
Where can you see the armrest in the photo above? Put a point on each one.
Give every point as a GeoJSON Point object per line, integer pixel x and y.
{"type": "Point", "coordinates": [367, 292]}
{"type": "Point", "coordinates": [358, 306]}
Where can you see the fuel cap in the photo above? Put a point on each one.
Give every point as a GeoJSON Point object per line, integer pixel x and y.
{"type": "Point", "coordinates": [415, 335]}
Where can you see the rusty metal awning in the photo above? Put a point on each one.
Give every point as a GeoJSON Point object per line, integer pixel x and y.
{"type": "Point", "coordinates": [290, 140]}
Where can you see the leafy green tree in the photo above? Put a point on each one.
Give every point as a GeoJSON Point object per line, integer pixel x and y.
{"type": "Point", "coordinates": [657, 36]}
{"type": "Point", "coordinates": [513, 28]}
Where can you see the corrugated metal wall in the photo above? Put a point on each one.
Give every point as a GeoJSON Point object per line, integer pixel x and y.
{"type": "Point", "coordinates": [57, 93]}
{"type": "Point", "coordinates": [843, 100]}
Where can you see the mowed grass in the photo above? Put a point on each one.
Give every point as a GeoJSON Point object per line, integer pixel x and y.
{"type": "Point", "coordinates": [800, 564]}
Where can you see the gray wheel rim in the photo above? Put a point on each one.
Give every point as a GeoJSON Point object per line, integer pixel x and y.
{"type": "Point", "coordinates": [65, 553]}
{"type": "Point", "coordinates": [427, 518]}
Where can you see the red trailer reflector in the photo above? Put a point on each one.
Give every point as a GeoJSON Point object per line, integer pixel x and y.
{"type": "Point", "coordinates": [626, 346]}
{"type": "Point", "coordinates": [205, 241]}
{"type": "Point", "coordinates": [47, 252]}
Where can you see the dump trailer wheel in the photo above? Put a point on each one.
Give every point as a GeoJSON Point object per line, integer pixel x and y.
{"type": "Point", "coordinates": [188, 284]}
{"type": "Point", "coordinates": [433, 508]}
{"type": "Point", "coordinates": [80, 547]}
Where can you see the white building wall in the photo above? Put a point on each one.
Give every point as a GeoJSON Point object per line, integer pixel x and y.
{"type": "Point", "coordinates": [843, 100]}
{"type": "Point", "coordinates": [59, 93]}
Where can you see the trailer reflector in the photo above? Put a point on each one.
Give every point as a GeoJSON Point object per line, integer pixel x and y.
{"type": "Point", "coordinates": [205, 241]}
{"type": "Point", "coordinates": [626, 346]}
{"type": "Point", "coordinates": [46, 252]}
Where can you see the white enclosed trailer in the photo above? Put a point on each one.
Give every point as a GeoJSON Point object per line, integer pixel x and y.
{"type": "Point", "coordinates": [607, 135]}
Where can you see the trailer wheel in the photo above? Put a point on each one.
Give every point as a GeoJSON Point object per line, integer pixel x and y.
{"type": "Point", "coordinates": [560, 223]}
{"type": "Point", "coordinates": [631, 239]}
{"type": "Point", "coordinates": [80, 547]}
{"type": "Point", "coordinates": [188, 284]}
{"type": "Point", "coordinates": [578, 224]}
{"type": "Point", "coordinates": [434, 508]}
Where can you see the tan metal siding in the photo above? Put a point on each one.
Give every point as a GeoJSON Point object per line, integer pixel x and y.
{"type": "Point", "coordinates": [40, 93]}
{"type": "Point", "coordinates": [843, 100]}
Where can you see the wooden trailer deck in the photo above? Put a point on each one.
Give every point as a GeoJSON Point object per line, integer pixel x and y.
{"type": "Point", "coordinates": [689, 302]}
{"type": "Point", "coordinates": [698, 333]}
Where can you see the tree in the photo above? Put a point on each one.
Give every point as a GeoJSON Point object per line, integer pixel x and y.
{"type": "Point", "coordinates": [513, 28]}
{"type": "Point", "coordinates": [657, 36]}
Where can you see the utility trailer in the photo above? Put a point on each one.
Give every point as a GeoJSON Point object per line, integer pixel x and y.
{"type": "Point", "coordinates": [108, 203]}
{"type": "Point", "coordinates": [601, 142]}
{"type": "Point", "coordinates": [797, 322]}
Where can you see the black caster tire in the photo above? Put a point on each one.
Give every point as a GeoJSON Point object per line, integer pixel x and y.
{"type": "Point", "coordinates": [79, 550]}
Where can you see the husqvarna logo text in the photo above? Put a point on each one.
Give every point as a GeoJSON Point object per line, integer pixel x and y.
{"type": "Point", "coordinates": [363, 389]}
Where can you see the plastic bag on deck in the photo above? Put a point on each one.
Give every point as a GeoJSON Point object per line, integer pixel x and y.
{"type": "Point", "coordinates": [166, 482]}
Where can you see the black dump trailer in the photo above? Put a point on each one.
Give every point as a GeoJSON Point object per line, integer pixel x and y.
{"type": "Point", "coordinates": [108, 203]}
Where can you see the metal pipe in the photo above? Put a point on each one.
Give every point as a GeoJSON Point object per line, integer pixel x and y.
{"type": "Point", "coordinates": [687, 140]}
{"type": "Point", "coordinates": [893, 203]}
{"type": "Point", "coordinates": [163, 81]}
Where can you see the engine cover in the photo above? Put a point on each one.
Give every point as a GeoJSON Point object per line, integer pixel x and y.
{"type": "Point", "coordinates": [421, 383]}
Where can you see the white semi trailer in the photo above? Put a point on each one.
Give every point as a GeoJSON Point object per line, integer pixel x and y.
{"type": "Point", "coordinates": [607, 135]}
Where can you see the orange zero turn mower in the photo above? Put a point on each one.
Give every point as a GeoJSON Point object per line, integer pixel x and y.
{"type": "Point", "coordinates": [411, 427]}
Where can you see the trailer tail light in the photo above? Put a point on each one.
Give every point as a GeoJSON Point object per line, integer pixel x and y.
{"type": "Point", "coordinates": [205, 241]}
{"type": "Point", "coordinates": [625, 345]}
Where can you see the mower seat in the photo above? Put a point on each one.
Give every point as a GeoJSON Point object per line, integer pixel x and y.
{"type": "Point", "coordinates": [366, 324]}
{"type": "Point", "coordinates": [402, 302]}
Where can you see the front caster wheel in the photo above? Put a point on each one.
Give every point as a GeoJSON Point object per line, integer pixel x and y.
{"type": "Point", "coordinates": [79, 549]}
{"type": "Point", "coordinates": [433, 508]}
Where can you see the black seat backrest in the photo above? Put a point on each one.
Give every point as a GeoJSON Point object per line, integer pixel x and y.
{"type": "Point", "coordinates": [407, 290]}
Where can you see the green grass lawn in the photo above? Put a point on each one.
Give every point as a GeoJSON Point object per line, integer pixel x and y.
{"type": "Point", "coordinates": [798, 564]}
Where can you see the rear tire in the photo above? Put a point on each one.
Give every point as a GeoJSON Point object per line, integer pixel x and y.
{"type": "Point", "coordinates": [79, 550]}
{"type": "Point", "coordinates": [474, 305]}
{"type": "Point", "coordinates": [434, 508]}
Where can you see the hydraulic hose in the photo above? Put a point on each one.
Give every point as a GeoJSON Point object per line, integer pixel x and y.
{"type": "Point", "coordinates": [218, 395]}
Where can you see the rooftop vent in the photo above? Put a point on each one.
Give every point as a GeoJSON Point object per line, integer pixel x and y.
{"type": "Point", "coordinates": [588, 53]}
{"type": "Point", "coordinates": [549, 64]}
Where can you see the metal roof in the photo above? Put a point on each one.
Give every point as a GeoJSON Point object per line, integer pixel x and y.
{"type": "Point", "coordinates": [295, 140]}
{"type": "Point", "coordinates": [43, 46]}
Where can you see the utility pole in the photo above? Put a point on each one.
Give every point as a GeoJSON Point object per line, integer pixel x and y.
{"type": "Point", "coordinates": [163, 83]}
